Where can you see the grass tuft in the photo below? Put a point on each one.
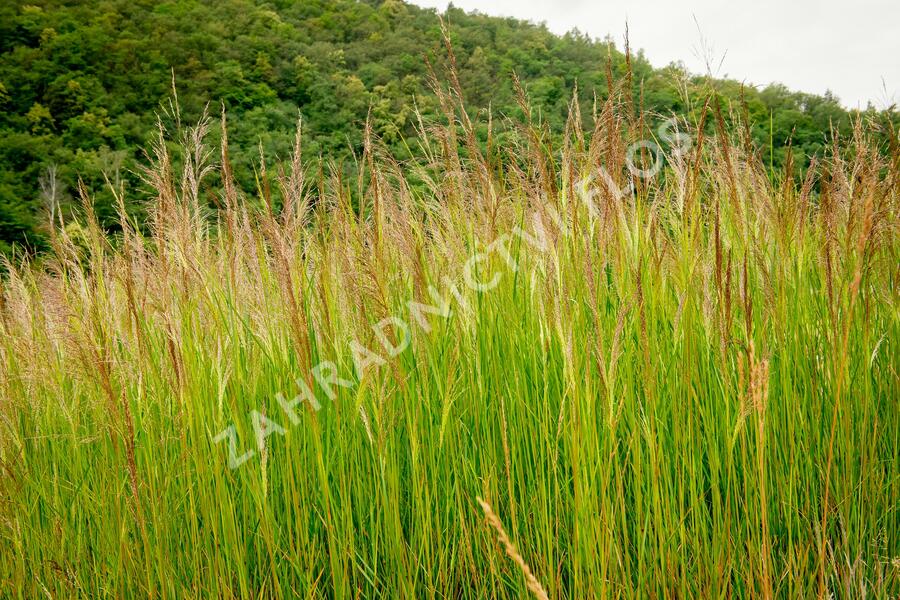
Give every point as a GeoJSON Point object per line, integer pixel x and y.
{"type": "Point", "coordinates": [675, 386]}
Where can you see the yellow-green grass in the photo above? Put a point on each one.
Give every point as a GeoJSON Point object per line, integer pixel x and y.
{"type": "Point", "coordinates": [689, 390]}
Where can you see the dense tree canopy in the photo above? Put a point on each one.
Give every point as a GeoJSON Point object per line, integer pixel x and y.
{"type": "Point", "coordinates": [82, 85]}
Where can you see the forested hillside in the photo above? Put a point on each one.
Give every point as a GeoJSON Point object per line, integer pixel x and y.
{"type": "Point", "coordinates": [82, 85]}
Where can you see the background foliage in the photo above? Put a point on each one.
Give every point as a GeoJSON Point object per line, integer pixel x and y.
{"type": "Point", "coordinates": [82, 83]}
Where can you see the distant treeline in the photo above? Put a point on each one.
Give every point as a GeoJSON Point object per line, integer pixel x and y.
{"type": "Point", "coordinates": [82, 85]}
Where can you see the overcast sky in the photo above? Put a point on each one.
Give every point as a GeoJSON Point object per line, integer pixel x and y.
{"type": "Point", "coordinates": [851, 48]}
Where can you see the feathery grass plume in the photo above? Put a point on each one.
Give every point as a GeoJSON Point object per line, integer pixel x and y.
{"type": "Point", "coordinates": [758, 398]}
{"type": "Point", "coordinates": [531, 582]}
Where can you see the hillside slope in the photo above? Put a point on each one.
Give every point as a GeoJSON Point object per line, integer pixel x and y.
{"type": "Point", "coordinates": [81, 85]}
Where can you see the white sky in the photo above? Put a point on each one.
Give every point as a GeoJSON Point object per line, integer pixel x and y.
{"type": "Point", "coordinates": [851, 48]}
